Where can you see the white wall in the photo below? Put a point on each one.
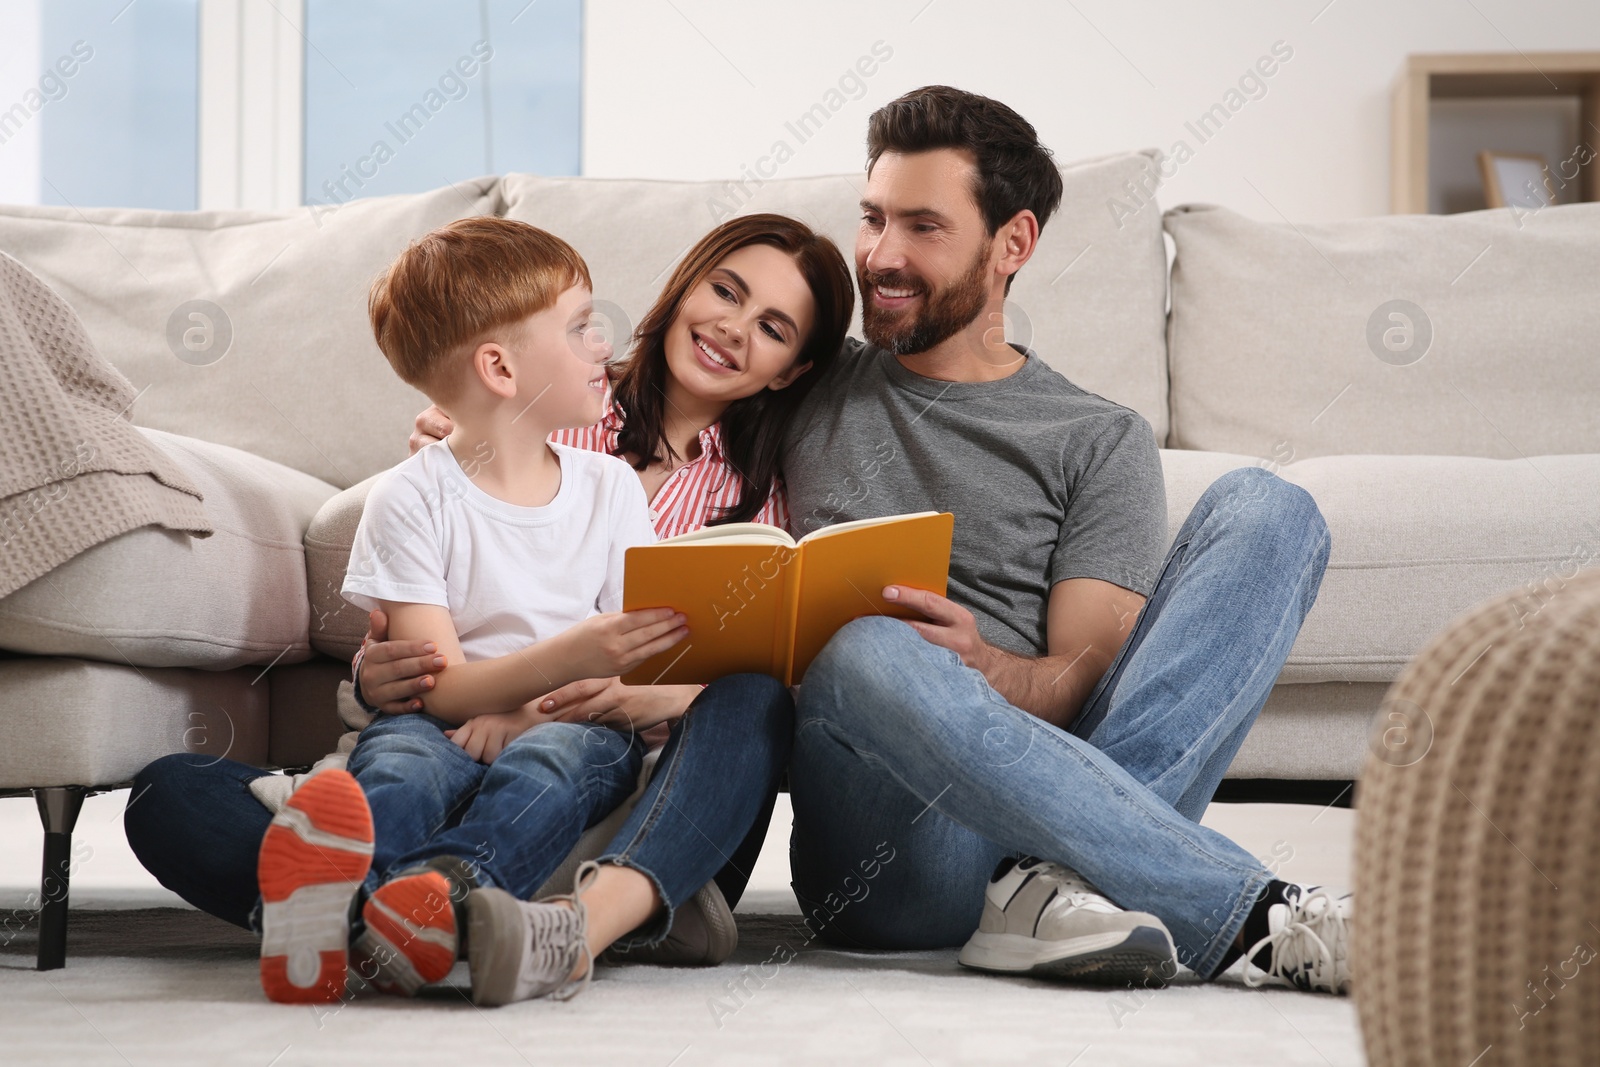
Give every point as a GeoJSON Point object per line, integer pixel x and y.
{"type": "Point", "coordinates": [700, 88]}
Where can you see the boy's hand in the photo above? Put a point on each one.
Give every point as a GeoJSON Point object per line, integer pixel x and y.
{"type": "Point", "coordinates": [606, 645]}
{"type": "Point", "coordinates": [608, 702]}
{"type": "Point", "coordinates": [432, 425]}
{"type": "Point", "coordinates": [484, 737]}
{"type": "Point", "coordinates": [393, 673]}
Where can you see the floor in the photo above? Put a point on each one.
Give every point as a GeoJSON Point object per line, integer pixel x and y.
{"type": "Point", "coordinates": [146, 984]}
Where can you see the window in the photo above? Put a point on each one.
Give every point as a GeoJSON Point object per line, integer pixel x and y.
{"type": "Point", "coordinates": [101, 102]}
{"type": "Point", "coordinates": [411, 95]}
{"type": "Point", "coordinates": [247, 104]}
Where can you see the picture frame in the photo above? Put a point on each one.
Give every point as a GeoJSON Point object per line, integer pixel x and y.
{"type": "Point", "coordinates": [1507, 177]}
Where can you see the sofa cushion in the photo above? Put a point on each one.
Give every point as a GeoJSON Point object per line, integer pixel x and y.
{"type": "Point", "coordinates": [1311, 732]}
{"type": "Point", "coordinates": [1187, 474]}
{"type": "Point", "coordinates": [1283, 344]}
{"type": "Point", "coordinates": [1092, 301]}
{"type": "Point", "coordinates": [1417, 540]}
{"type": "Point", "coordinates": [337, 626]}
{"type": "Point", "coordinates": [156, 598]}
{"type": "Point", "coordinates": [79, 722]}
{"type": "Point", "coordinates": [280, 360]}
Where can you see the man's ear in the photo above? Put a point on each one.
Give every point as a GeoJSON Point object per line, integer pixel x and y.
{"type": "Point", "coordinates": [1016, 241]}
{"type": "Point", "coordinates": [492, 365]}
{"type": "Point", "coordinates": [786, 379]}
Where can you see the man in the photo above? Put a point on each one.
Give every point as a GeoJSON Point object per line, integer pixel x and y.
{"type": "Point", "coordinates": [1063, 718]}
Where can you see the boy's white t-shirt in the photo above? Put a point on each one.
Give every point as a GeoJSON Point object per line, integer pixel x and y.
{"type": "Point", "coordinates": [509, 575]}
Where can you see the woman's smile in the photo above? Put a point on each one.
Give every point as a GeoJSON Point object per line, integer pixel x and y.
{"type": "Point", "coordinates": [712, 355]}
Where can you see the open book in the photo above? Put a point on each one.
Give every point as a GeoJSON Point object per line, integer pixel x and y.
{"type": "Point", "coordinates": [759, 602]}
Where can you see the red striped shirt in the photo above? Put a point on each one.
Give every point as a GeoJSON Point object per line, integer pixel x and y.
{"type": "Point", "coordinates": [695, 493]}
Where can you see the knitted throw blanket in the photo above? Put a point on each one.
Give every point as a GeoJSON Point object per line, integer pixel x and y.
{"type": "Point", "coordinates": [73, 469]}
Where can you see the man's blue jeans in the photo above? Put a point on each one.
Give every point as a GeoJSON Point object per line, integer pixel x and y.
{"type": "Point", "coordinates": [912, 777]}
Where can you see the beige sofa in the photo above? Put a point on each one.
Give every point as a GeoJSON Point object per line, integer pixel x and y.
{"type": "Point", "coordinates": [1444, 479]}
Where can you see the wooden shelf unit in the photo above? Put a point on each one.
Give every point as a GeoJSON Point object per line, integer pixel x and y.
{"type": "Point", "coordinates": [1456, 76]}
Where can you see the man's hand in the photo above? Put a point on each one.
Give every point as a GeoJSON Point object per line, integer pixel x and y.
{"type": "Point", "coordinates": [432, 425]}
{"type": "Point", "coordinates": [1087, 621]}
{"type": "Point", "coordinates": [610, 703]}
{"type": "Point", "coordinates": [605, 645]}
{"type": "Point", "coordinates": [484, 737]}
{"type": "Point", "coordinates": [394, 672]}
{"type": "Point", "coordinates": [949, 624]}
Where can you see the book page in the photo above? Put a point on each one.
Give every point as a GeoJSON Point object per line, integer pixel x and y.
{"type": "Point", "coordinates": [842, 577]}
{"type": "Point", "coordinates": [861, 524]}
{"type": "Point", "coordinates": [734, 533]}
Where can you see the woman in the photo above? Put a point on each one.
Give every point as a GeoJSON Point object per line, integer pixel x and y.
{"type": "Point", "coordinates": [703, 436]}
{"type": "Point", "coordinates": [750, 318]}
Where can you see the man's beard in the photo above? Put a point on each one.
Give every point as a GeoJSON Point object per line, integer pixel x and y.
{"type": "Point", "coordinates": [945, 312]}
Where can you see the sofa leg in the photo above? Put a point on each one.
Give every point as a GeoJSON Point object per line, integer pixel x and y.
{"type": "Point", "coordinates": [58, 810]}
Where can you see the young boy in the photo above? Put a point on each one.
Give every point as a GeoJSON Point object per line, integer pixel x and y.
{"type": "Point", "coordinates": [505, 552]}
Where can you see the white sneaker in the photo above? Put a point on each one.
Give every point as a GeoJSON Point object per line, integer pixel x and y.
{"type": "Point", "coordinates": [1309, 942]}
{"type": "Point", "coordinates": [1042, 918]}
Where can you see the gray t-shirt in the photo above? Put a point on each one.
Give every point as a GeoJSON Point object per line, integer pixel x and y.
{"type": "Point", "coordinates": [1046, 481]}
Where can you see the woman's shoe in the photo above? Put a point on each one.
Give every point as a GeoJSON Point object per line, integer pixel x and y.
{"type": "Point", "coordinates": [703, 934]}
{"type": "Point", "coordinates": [519, 950]}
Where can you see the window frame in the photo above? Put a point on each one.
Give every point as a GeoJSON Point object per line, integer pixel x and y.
{"type": "Point", "coordinates": [252, 105]}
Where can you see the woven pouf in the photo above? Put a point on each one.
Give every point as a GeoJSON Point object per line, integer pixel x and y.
{"type": "Point", "coordinates": [1477, 862]}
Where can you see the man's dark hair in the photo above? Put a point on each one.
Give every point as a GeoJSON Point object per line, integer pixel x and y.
{"type": "Point", "coordinates": [1015, 171]}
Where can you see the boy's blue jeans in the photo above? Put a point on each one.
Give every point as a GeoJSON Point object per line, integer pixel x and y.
{"type": "Point", "coordinates": [514, 820]}
{"type": "Point", "coordinates": [912, 777]}
{"type": "Point", "coordinates": [194, 824]}
{"type": "Point", "coordinates": [506, 819]}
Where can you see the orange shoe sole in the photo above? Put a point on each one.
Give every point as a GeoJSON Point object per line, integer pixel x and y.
{"type": "Point", "coordinates": [410, 940]}
{"type": "Point", "coordinates": [313, 859]}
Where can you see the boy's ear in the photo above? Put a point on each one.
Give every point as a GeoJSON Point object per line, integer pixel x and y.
{"type": "Point", "coordinates": [493, 368]}
{"type": "Point", "coordinates": [786, 379]}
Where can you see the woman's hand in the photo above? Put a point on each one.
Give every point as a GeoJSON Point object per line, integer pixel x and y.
{"type": "Point", "coordinates": [394, 672]}
{"type": "Point", "coordinates": [484, 737]}
{"type": "Point", "coordinates": [432, 425]}
{"type": "Point", "coordinates": [622, 707]}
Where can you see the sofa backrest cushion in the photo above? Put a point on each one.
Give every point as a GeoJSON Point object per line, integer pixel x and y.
{"type": "Point", "coordinates": [1091, 302]}
{"type": "Point", "coordinates": [1471, 334]}
{"type": "Point", "coordinates": [280, 360]}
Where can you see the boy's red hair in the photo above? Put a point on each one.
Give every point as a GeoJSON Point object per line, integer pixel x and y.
{"type": "Point", "coordinates": [451, 287]}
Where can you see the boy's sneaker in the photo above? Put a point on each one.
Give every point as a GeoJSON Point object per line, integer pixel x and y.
{"type": "Point", "coordinates": [703, 934]}
{"type": "Point", "coordinates": [1042, 918]}
{"type": "Point", "coordinates": [313, 858]}
{"type": "Point", "coordinates": [1308, 943]}
{"type": "Point", "coordinates": [413, 926]}
{"type": "Point", "coordinates": [520, 950]}
{"type": "Point", "coordinates": [410, 935]}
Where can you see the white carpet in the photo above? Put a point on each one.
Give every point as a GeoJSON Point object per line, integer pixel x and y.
{"type": "Point", "coordinates": [156, 987]}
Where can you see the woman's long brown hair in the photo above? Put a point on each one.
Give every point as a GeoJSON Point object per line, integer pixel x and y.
{"type": "Point", "coordinates": [752, 427]}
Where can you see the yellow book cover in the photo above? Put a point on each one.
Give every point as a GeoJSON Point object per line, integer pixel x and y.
{"type": "Point", "coordinates": [758, 601]}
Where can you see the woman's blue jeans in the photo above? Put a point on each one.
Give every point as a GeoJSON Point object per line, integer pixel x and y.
{"type": "Point", "coordinates": [194, 824]}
